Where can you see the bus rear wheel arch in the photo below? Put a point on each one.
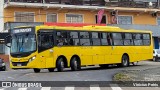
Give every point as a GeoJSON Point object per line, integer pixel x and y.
{"type": "Point", "coordinates": [125, 60]}
{"type": "Point", "coordinates": [61, 63]}
{"type": "Point", "coordinates": [75, 63]}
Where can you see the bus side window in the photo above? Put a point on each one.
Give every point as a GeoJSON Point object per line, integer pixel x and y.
{"type": "Point", "coordinates": [61, 38]}
{"type": "Point", "coordinates": [84, 39]}
{"type": "Point", "coordinates": [104, 40]}
{"type": "Point", "coordinates": [73, 38]}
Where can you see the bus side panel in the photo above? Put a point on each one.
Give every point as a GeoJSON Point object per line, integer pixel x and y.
{"type": "Point", "coordinates": [46, 59]}
{"type": "Point", "coordinates": [86, 53]}
{"type": "Point", "coordinates": [106, 51]}
{"type": "Point", "coordinates": [98, 55]}
{"type": "Point", "coordinates": [116, 54]}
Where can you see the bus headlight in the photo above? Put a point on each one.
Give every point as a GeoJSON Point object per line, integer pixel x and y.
{"type": "Point", "coordinates": [32, 58]}
{"type": "Point", "coordinates": [3, 64]}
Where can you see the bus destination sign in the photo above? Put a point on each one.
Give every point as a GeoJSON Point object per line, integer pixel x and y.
{"type": "Point", "coordinates": [23, 30]}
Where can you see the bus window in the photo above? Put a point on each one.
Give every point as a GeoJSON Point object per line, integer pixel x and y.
{"type": "Point", "coordinates": [104, 40]}
{"type": "Point", "coordinates": [73, 38]}
{"type": "Point", "coordinates": [109, 39]}
{"type": "Point", "coordinates": [117, 38]}
{"type": "Point", "coordinates": [96, 38]}
{"type": "Point", "coordinates": [146, 39]}
{"type": "Point", "coordinates": [128, 39]}
{"type": "Point", "coordinates": [61, 37]}
{"type": "Point", "coordinates": [45, 41]}
{"type": "Point", "coordinates": [84, 39]}
{"type": "Point", "coordinates": [138, 39]}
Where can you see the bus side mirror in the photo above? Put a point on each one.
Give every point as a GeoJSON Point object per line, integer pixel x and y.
{"type": "Point", "coordinates": [8, 41]}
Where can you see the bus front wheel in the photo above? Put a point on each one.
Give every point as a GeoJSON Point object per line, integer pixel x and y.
{"type": "Point", "coordinates": [125, 61]}
{"type": "Point", "coordinates": [36, 70]}
{"type": "Point", "coordinates": [75, 65]}
{"type": "Point", "coordinates": [60, 65]}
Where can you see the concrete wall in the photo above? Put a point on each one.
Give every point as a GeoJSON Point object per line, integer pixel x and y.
{"type": "Point", "coordinates": [1, 15]}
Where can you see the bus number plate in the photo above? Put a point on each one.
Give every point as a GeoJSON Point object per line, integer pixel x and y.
{"type": "Point", "coordinates": [19, 65]}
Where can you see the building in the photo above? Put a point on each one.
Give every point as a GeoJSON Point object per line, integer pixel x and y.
{"type": "Point", "coordinates": [128, 14]}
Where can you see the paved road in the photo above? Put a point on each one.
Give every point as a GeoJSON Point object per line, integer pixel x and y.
{"type": "Point", "coordinates": [84, 88]}
{"type": "Point", "coordinates": [86, 74]}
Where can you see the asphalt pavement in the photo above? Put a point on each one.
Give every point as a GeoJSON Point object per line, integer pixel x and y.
{"type": "Point", "coordinates": [94, 73]}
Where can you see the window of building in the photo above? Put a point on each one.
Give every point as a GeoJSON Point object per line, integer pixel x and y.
{"type": "Point", "coordinates": [104, 19]}
{"type": "Point", "coordinates": [51, 17]}
{"type": "Point", "coordinates": [74, 18]}
{"type": "Point", "coordinates": [24, 17]}
{"type": "Point", "coordinates": [124, 19]}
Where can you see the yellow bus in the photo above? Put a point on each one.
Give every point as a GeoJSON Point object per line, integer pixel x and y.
{"type": "Point", "coordinates": [50, 47]}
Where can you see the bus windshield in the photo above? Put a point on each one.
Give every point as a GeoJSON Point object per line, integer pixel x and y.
{"type": "Point", "coordinates": [23, 43]}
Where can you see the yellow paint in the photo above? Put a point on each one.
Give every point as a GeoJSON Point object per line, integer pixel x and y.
{"type": "Point", "coordinates": [89, 55]}
{"type": "Point", "coordinates": [89, 15]}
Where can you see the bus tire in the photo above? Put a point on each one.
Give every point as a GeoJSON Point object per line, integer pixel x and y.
{"type": "Point", "coordinates": [125, 61]}
{"type": "Point", "coordinates": [36, 70]}
{"type": "Point", "coordinates": [75, 64]}
{"type": "Point", "coordinates": [60, 65]}
{"type": "Point", "coordinates": [51, 69]}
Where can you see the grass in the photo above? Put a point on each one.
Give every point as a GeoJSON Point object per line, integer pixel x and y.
{"type": "Point", "coordinates": [122, 77]}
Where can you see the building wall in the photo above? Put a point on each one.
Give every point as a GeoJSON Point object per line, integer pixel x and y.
{"type": "Point", "coordinates": [89, 15]}
{"type": "Point", "coordinates": [1, 15]}
{"type": "Point", "coordinates": [40, 14]}
{"type": "Point", "coordinates": [141, 17]}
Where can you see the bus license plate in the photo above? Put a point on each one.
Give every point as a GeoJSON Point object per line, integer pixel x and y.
{"type": "Point", "coordinates": [19, 65]}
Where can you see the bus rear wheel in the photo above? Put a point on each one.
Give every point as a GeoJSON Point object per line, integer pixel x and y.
{"type": "Point", "coordinates": [125, 61]}
{"type": "Point", "coordinates": [75, 64]}
{"type": "Point", "coordinates": [60, 65]}
{"type": "Point", "coordinates": [36, 70]}
{"type": "Point", "coordinates": [51, 69]}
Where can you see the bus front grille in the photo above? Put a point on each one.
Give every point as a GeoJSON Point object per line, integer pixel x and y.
{"type": "Point", "coordinates": [19, 63]}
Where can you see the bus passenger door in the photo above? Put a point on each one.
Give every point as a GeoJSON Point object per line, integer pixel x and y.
{"type": "Point", "coordinates": [45, 49]}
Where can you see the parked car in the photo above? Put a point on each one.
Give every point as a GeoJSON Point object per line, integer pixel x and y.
{"type": "Point", "coordinates": [2, 65]}
{"type": "Point", "coordinates": [156, 55]}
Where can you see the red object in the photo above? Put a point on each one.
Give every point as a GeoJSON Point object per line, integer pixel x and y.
{"type": "Point", "coordinates": [71, 24]}
{"type": "Point", "coordinates": [100, 15]}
